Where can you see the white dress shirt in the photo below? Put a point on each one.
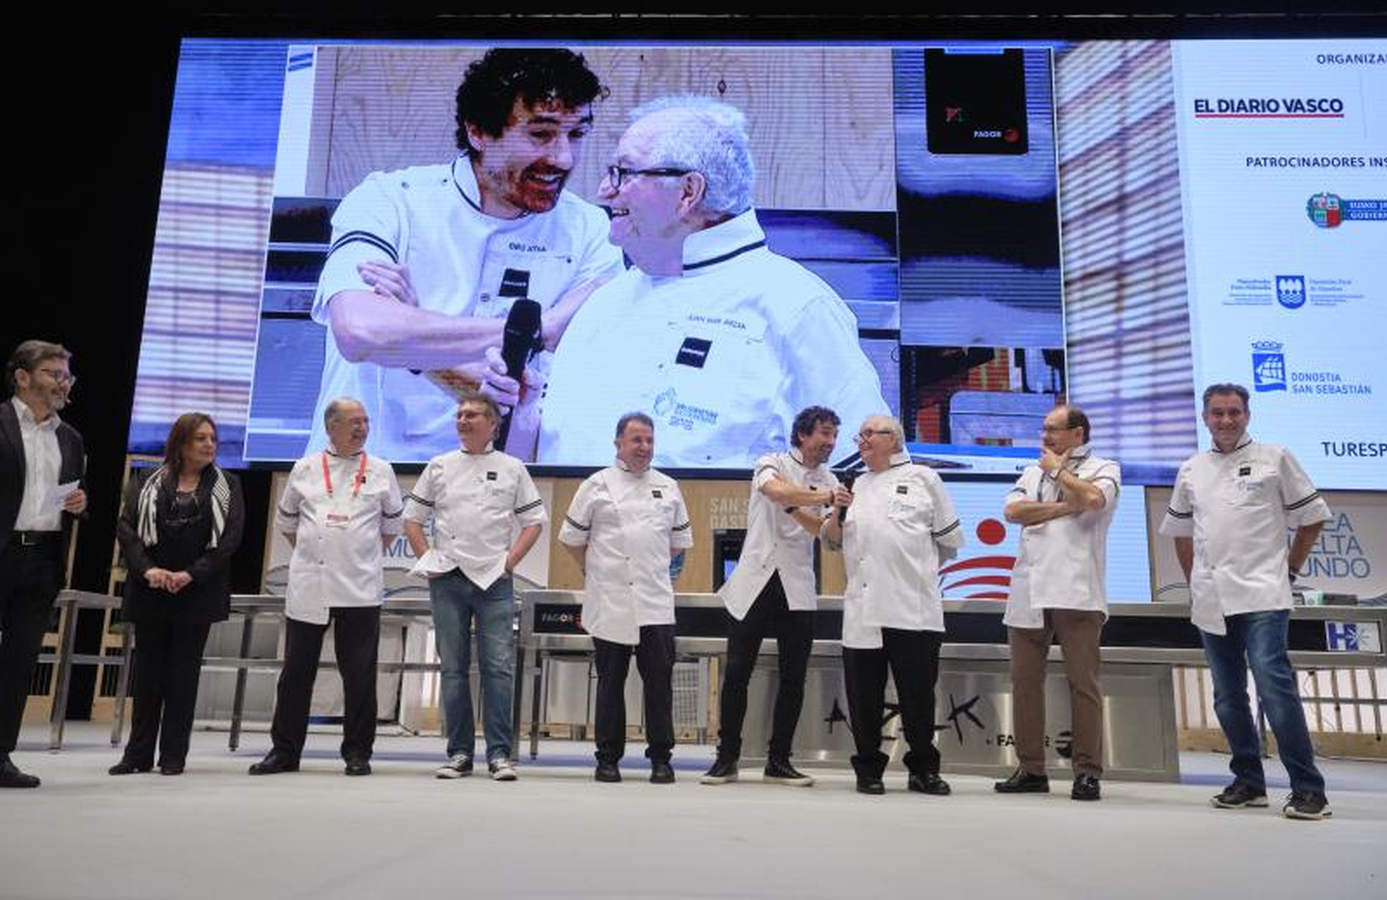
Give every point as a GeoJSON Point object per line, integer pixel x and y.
{"type": "Point", "coordinates": [1062, 563]}
{"type": "Point", "coordinates": [477, 502]}
{"type": "Point", "coordinates": [338, 520]}
{"type": "Point", "coordinates": [1238, 506]}
{"type": "Point", "coordinates": [630, 523]}
{"type": "Point", "coordinates": [43, 460]}
{"type": "Point", "coordinates": [901, 523]}
{"type": "Point", "coordinates": [775, 542]}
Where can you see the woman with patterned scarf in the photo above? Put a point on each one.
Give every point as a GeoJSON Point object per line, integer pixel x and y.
{"type": "Point", "coordinates": [178, 529]}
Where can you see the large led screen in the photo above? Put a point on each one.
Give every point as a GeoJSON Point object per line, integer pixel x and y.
{"type": "Point", "coordinates": [959, 233]}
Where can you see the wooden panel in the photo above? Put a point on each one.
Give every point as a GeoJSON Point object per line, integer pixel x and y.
{"type": "Point", "coordinates": [860, 135]}
{"type": "Point", "coordinates": [393, 107]}
{"type": "Point", "coordinates": [320, 139]}
{"type": "Point", "coordinates": [712, 505]}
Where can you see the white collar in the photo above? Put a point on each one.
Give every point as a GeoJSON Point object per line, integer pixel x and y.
{"type": "Point", "coordinates": [704, 250]}
{"type": "Point", "coordinates": [332, 451]}
{"type": "Point", "coordinates": [26, 415]}
{"type": "Point", "coordinates": [1242, 442]}
{"type": "Point", "coordinates": [482, 452]}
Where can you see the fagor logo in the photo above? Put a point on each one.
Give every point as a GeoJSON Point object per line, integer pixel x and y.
{"type": "Point", "coordinates": [986, 577]}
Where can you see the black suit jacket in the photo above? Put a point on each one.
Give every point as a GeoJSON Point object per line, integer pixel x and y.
{"type": "Point", "coordinates": [12, 466]}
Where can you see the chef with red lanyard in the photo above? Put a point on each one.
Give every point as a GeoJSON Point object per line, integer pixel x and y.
{"type": "Point", "coordinates": [339, 510]}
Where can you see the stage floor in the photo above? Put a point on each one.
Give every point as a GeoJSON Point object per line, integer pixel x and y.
{"type": "Point", "coordinates": [216, 832]}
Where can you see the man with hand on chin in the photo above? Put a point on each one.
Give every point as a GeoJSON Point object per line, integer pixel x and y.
{"type": "Point", "coordinates": [1229, 514]}
{"type": "Point", "coordinates": [39, 453]}
{"type": "Point", "coordinates": [426, 262]}
{"type": "Point", "coordinates": [476, 497]}
{"type": "Point", "coordinates": [339, 511]}
{"type": "Point", "coordinates": [623, 527]}
{"type": "Point", "coordinates": [1064, 504]}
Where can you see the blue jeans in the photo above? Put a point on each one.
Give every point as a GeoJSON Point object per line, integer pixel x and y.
{"type": "Point", "coordinates": [456, 600]}
{"type": "Point", "coordinates": [1258, 640]}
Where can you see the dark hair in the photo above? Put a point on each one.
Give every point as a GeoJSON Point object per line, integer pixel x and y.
{"type": "Point", "coordinates": [810, 418]}
{"type": "Point", "coordinates": [1076, 418]}
{"type": "Point", "coordinates": [29, 355]}
{"type": "Point", "coordinates": [630, 417]}
{"type": "Point", "coordinates": [179, 435]}
{"type": "Point", "coordinates": [1214, 390]}
{"type": "Point", "coordinates": [493, 83]}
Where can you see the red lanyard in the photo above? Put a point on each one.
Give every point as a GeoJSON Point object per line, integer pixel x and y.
{"type": "Point", "coordinates": [356, 483]}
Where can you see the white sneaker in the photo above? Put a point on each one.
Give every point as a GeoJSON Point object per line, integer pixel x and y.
{"type": "Point", "coordinates": [501, 770]}
{"type": "Point", "coordinates": [458, 766]}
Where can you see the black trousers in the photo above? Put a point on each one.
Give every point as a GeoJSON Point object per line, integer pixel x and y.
{"type": "Point", "coordinates": [29, 580]}
{"type": "Point", "coordinates": [655, 662]}
{"type": "Point", "coordinates": [168, 661]}
{"type": "Point", "coordinates": [913, 657]}
{"type": "Point", "coordinates": [356, 643]}
{"type": "Point", "coordinates": [794, 639]}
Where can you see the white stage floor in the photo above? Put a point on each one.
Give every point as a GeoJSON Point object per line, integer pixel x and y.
{"type": "Point", "coordinates": [216, 832]}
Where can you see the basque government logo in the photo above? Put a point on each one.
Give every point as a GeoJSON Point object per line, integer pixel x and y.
{"type": "Point", "coordinates": [1290, 291]}
{"type": "Point", "coordinates": [1325, 210]}
{"type": "Point", "coordinates": [1268, 366]}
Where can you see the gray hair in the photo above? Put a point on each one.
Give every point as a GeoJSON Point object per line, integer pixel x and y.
{"type": "Point", "coordinates": [893, 425]}
{"type": "Point", "coordinates": [630, 417]}
{"type": "Point", "coordinates": [709, 137]}
{"type": "Point", "coordinates": [29, 355]}
{"type": "Point", "coordinates": [334, 408]}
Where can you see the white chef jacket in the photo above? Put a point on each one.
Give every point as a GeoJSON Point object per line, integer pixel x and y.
{"type": "Point", "coordinates": [775, 542]}
{"type": "Point", "coordinates": [630, 522]}
{"type": "Point", "coordinates": [1237, 506]}
{"type": "Point", "coordinates": [337, 553]}
{"type": "Point", "coordinates": [43, 461]}
{"type": "Point", "coordinates": [478, 502]}
{"type": "Point", "coordinates": [462, 262]}
{"type": "Point", "coordinates": [899, 525]}
{"type": "Point", "coordinates": [1062, 563]}
{"type": "Point", "coordinates": [722, 357]}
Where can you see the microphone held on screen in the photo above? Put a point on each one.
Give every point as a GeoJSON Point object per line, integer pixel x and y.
{"type": "Point", "coordinates": [520, 340]}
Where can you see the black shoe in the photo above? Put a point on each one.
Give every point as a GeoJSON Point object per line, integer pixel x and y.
{"type": "Point", "coordinates": [1238, 795]}
{"type": "Point", "coordinates": [929, 783]}
{"type": "Point", "coordinates": [276, 762]}
{"type": "Point", "coordinates": [1086, 788]}
{"type": "Point", "coordinates": [661, 773]}
{"type": "Point", "coordinates": [722, 772]}
{"type": "Point", "coordinates": [609, 773]}
{"type": "Point", "coordinates": [126, 767]}
{"type": "Point", "coordinates": [170, 768]}
{"type": "Point", "coordinates": [779, 771]}
{"type": "Point", "coordinates": [358, 766]}
{"type": "Point", "coordinates": [11, 777]}
{"type": "Point", "coordinates": [1305, 805]}
{"type": "Point", "coordinates": [1023, 782]}
{"type": "Point", "coordinates": [867, 785]}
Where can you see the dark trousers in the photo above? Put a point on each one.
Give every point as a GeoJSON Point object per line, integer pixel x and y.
{"type": "Point", "coordinates": [356, 643]}
{"type": "Point", "coordinates": [655, 662]}
{"type": "Point", "coordinates": [29, 580]}
{"type": "Point", "coordinates": [168, 660]}
{"type": "Point", "coordinates": [1079, 632]}
{"type": "Point", "coordinates": [794, 639]}
{"type": "Point", "coordinates": [913, 657]}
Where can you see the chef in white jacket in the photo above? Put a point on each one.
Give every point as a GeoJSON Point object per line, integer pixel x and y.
{"type": "Point", "coordinates": [900, 525]}
{"type": "Point", "coordinates": [623, 527]}
{"type": "Point", "coordinates": [340, 508]}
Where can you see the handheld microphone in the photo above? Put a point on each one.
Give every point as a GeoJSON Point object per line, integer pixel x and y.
{"type": "Point", "coordinates": [520, 340]}
{"type": "Point", "coordinates": [846, 478]}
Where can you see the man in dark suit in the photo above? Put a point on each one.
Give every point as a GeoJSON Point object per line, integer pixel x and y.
{"type": "Point", "coordinates": [39, 454]}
